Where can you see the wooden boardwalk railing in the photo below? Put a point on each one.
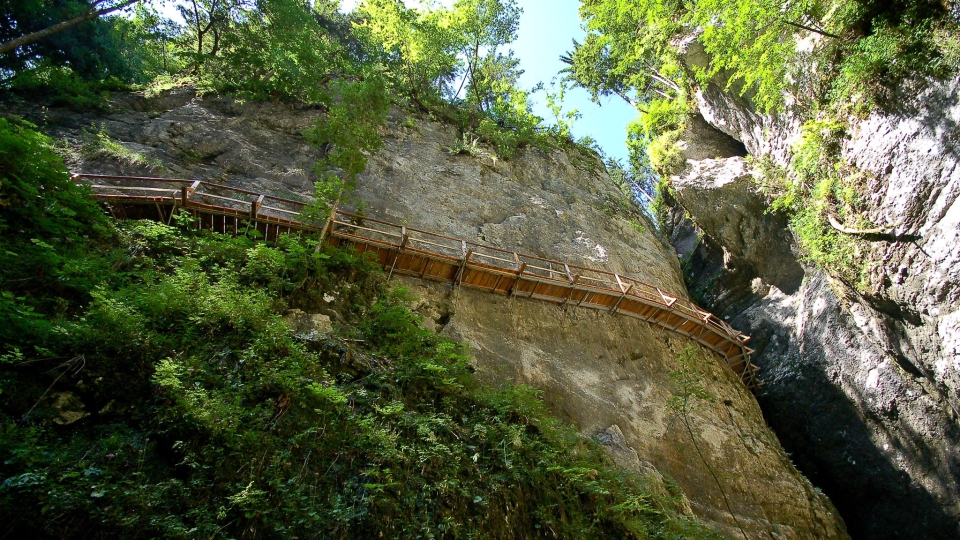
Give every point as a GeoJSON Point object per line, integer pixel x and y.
{"type": "Point", "coordinates": [429, 256]}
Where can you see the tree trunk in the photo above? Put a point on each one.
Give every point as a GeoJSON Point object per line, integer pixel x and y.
{"type": "Point", "coordinates": [14, 44]}
{"type": "Point", "coordinates": [835, 223]}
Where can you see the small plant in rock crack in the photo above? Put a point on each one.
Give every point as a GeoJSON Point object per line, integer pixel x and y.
{"type": "Point", "coordinates": [689, 396]}
{"type": "Point", "coordinates": [467, 144]}
{"type": "Point", "coordinates": [635, 225]}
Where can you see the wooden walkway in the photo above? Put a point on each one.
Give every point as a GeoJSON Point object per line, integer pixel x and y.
{"type": "Point", "coordinates": [425, 255]}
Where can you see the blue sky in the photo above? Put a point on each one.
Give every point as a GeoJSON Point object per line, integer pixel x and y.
{"type": "Point", "coordinates": [546, 30]}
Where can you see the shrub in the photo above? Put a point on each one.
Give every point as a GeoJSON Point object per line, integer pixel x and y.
{"type": "Point", "coordinates": [820, 185]}
{"type": "Point", "coordinates": [666, 156]}
{"type": "Point", "coordinates": [61, 87]}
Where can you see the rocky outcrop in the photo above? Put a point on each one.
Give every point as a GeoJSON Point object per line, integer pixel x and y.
{"type": "Point", "coordinates": [609, 375]}
{"type": "Point", "coordinates": [862, 387]}
{"type": "Point", "coordinates": [722, 194]}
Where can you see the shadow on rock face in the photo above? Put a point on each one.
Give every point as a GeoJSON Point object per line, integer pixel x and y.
{"type": "Point", "coordinates": [855, 420]}
{"type": "Point", "coordinates": [863, 440]}
{"type": "Point", "coordinates": [831, 443]}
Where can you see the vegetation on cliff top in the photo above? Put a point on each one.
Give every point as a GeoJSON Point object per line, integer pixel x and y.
{"type": "Point", "coordinates": [451, 62]}
{"type": "Point", "coordinates": [149, 387]}
{"type": "Point", "coordinates": [827, 61]}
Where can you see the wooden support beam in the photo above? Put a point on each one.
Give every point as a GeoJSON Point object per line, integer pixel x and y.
{"type": "Point", "coordinates": [703, 330]}
{"type": "Point", "coordinates": [623, 294]}
{"type": "Point", "coordinates": [521, 266]}
{"type": "Point", "coordinates": [404, 238]}
{"type": "Point", "coordinates": [427, 268]}
{"type": "Point", "coordinates": [683, 321]}
{"type": "Point", "coordinates": [573, 286]}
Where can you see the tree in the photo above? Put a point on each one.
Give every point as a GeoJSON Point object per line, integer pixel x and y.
{"type": "Point", "coordinates": [627, 50]}
{"type": "Point", "coordinates": [148, 42]}
{"type": "Point", "coordinates": [93, 50]}
{"type": "Point", "coordinates": [485, 25]}
{"type": "Point", "coordinates": [93, 10]}
{"type": "Point", "coordinates": [207, 18]}
{"type": "Point", "coordinates": [419, 47]}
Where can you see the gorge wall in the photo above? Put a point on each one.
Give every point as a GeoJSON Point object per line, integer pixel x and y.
{"type": "Point", "coordinates": [861, 386]}
{"type": "Point", "coordinates": [609, 375]}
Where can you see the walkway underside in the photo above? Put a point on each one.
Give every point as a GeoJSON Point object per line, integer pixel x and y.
{"type": "Point", "coordinates": [428, 256]}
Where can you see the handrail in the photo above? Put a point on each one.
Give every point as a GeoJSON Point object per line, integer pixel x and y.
{"type": "Point", "coordinates": [590, 281]}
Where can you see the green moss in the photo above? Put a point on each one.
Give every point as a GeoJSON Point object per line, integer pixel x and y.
{"type": "Point", "coordinates": [818, 185]}
{"type": "Point", "coordinates": [101, 145]}
{"type": "Point", "coordinates": [663, 200]}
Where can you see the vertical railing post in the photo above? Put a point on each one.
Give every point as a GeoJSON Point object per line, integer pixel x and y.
{"type": "Point", "coordinates": [404, 238]}
{"type": "Point", "coordinates": [255, 207]}
{"type": "Point", "coordinates": [521, 266]}
{"type": "Point", "coordinates": [186, 191]}
{"type": "Point", "coordinates": [458, 277]}
{"type": "Point", "coordinates": [623, 292]}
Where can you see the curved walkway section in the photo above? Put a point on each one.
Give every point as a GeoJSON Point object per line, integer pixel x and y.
{"type": "Point", "coordinates": [426, 255]}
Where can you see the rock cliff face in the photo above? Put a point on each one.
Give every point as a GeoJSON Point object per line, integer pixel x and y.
{"type": "Point", "coordinates": [608, 374]}
{"type": "Point", "coordinates": [862, 388]}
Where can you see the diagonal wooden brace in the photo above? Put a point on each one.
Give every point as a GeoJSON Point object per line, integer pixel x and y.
{"type": "Point", "coordinates": [667, 299]}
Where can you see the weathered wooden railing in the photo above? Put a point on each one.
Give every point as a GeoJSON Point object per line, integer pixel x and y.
{"type": "Point", "coordinates": [216, 207]}
{"type": "Point", "coordinates": [428, 256]}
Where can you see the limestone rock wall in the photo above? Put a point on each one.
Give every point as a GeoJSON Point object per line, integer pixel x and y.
{"type": "Point", "coordinates": [862, 388]}
{"type": "Point", "coordinates": [608, 374]}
